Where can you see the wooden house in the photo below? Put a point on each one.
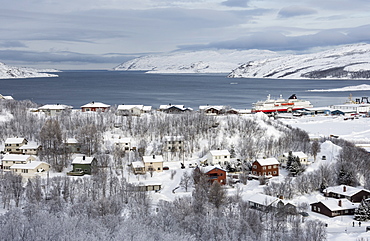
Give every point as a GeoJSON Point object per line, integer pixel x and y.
{"type": "Point", "coordinates": [11, 159]}
{"type": "Point", "coordinates": [215, 174]}
{"type": "Point", "coordinates": [138, 167]}
{"type": "Point", "coordinates": [220, 157]}
{"type": "Point", "coordinates": [84, 165]}
{"type": "Point", "coordinates": [173, 143]}
{"type": "Point", "coordinates": [53, 110]}
{"type": "Point", "coordinates": [134, 110]}
{"type": "Point", "coordinates": [95, 107]}
{"type": "Point", "coordinates": [266, 203]}
{"type": "Point", "coordinates": [153, 163]}
{"type": "Point", "coordinates": [174, 109]}
{"type": "Point", "coordinates": [212, 109]}
{"type": "Point", "coordinates": [72, 145]}
{"type": "Point", "coordinates": [334, 207]}
{"type": "Point", "coordinates": [353, 194]}
{"type": "Point", "coordinates": [303, 158]}
{"type": "Point", "coordinates": [123, 143]}
{"type": "Point", "coordinates": [12, 145]}
{"type": "Point", "coordinates": [30, 169]}
{"type": "Point", "coordinates": [31, 148]}
{"type": "Point", "coordinates": [265, 167]}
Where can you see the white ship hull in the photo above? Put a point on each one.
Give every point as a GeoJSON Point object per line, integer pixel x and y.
{"type": "Point", "coordinates": [280, 105]}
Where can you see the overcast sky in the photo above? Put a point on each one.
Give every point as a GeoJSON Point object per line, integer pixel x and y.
{"type": "Point", "coordinates": [86, 34]}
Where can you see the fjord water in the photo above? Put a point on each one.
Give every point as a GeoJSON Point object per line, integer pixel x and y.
{"type": "Point", "coordinates": [77, 88]}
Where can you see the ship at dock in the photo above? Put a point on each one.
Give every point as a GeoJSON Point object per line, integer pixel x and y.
{"type": "Point", "coordinates": [281, 105]}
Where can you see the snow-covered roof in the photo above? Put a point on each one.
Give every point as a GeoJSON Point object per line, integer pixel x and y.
{"type": "Point", "coordinates": [298, 154]}
{"type": "Point", "coordinates": [344, 190]}
{"type": "Point", "coordinates": [333, 204]}
{"type": "Point", "coordinates": [154, 158]}
{"type": "Point", "coordinates": [129, 107]}
{"type": "Point", "coordinates": [16, 140]}
{"type": "Point", "coordinates": [180, 107]}
{"type": "Point", "coordinates": [55, 107]}
{"type": "Point", "coordinates": [268, 161]}
{"type": "Point", "coordinates": [95, 105]}
{"type": "Point", "coordinates": [173, 138]}
{"type": "Point", "coordinates": [71, 141]}
{"type": "Point", "coordinates": [30, 145]}
{"type": "Point", "coordinates": [216, 107]}
{"type": "Point", "coordinates": [219, 152]}
{"type": "Point", "coordinates": [147, 108]}
{"type": "Point", "coordinates": [123, 140]}
{"type": "Point", "coordinates": [210, 168]}
{"type": "Point", "coordinates": [16, 157]}
{"type": "Point", "coordinates": [137, 164]}
{"type": "Point", "coordinates": [262, 199]}
{"type": "Point", "coordinates": [31, 165]}
{"type": "Point", "coordinates": [83, 160]}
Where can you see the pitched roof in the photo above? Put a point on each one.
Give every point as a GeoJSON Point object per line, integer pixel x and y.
{"type": "Point", "coordinates": [333, 204]}
{"type": "Point", "coordinates": [16, 140]}
{"type": "Point", "coordinates": [344, 190]}
{"type": "Point", "coordinates": [216, 107]}
{"type": "Point", "coordinates": [129, 107]}
{"type": "Point", "coordinates": [219, 152]}
{"type": "Point", "coordinates": [173, 138]}
{"type": "Point", "coordinates": [153, 158]}
{"type": "Point", "coordinates": [180, 107]}
{"type": "Point", "coordinates": [55, 107]}
{"type": "Point", "coordinates": [83, 160]}
{"type": "Point", "coordinates": [262, 199]}
{"type": "Point", "coordinates": [31, 165]}
{"type": "Point", "coordinates": [15, 157]}
{"type": "Point", "coordinates": [298, 154]}
{"type": "Point", "coordinates": [95, 105]}
{"type": "Point", "coordinates": [29, 145]}
{"type": "Point", "coordinates": [137, 164]}
{"type": "Point", "coordinates": [268, 161]}
{"type": "Point", "coordinates": [210, 168]}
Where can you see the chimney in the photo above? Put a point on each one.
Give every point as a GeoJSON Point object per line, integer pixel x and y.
{"type": "Point", "coordinates": [340, 203]}
{"type": "Point", "coordinates": [83, 158]}
{"type": "Point", "coordinates": [344, 188]}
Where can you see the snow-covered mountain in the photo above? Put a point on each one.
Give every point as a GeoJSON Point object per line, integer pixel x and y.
{"type": "Point", "coordinates": [206, 61]}
{"type": "Point", "coordinates": [10, 72]}
{"type": "Point", "coordinates": [347, 62]}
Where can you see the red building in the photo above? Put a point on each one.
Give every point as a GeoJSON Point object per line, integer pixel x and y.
{"type": "Point", "coordinates": [95, 106]}
{"type": "Point", "coordinates": [216, 174]}
{"type": "Point", "coordinates": [265, 167]}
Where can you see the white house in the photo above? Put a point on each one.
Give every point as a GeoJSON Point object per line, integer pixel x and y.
{"type": "Point", "coordinates": [135, 110]}
{"type": "Point", "coordinates": [123, 143]}
{"type": "Point", "coordinates": [303, 158]}
{"type": "Point", "coordinates": [52, 110]}
{"type": "Point", "coordinates": [221, 157]}
{"type": "Point", "coordinates": [138, 167]}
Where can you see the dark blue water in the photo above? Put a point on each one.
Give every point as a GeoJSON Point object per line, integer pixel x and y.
{"type": "Point", "coordinates": [77, 88]}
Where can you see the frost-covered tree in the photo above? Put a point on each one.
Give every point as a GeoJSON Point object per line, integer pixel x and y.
{"type": "Point", "coordinates": [362, 213]}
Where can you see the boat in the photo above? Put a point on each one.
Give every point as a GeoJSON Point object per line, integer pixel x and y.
{"type": "Point", "coordinates": [281, 105]}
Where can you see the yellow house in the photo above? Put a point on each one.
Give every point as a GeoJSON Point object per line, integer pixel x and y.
{"type": "Point", "coordinates": [153, 163]}
{"type": "Point", "coordinates": [11, 159]}
{"type": "Point", "coordinates": [30, 169]}
{"type": "Point", "coordinates": [12, 145]}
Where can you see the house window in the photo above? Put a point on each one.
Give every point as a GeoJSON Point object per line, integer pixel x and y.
{"type": "Point", "coordinates": [274, 172]}
{"type": "Point", "coordinates": [263, 168]}
{"type": "Point", "coordinates": [318, 209]}
{"type": "Point", "coordinates": [225, 156]}
{"type": "Point", "coordinates": [269, 173]}
{"type": "Point", "coordinates": [25, 170]}
{"type": "Point", "coordinates": [275, 166]}
{"type": "Point", "coordinates": [314, 208]}
{"type": "Point", "coordinates": [254, 167]}
{"type": "Point", "coordinates": [159, 168]}
{"type": "Point", "coordinates": [269, 167]}
{"type": "Point", "coordinates": [254, 172]}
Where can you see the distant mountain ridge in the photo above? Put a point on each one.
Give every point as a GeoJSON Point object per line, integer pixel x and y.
{"type": "Point", "coordinates": [11, 72]}
{"type": "Point", "coordinates": [205, 61]}
{"type": "Point", "coordinates": [346, 62]}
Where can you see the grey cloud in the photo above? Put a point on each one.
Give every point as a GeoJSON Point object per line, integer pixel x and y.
{"type": "Point", "coordinates": [293, 11]}
{"type": "Point", "coordinates": [62, 56]}
{"type": "Point", "coordinates": [277, 41]}
{"type": "Point", "coordinates": [236, 3]}
{"type": "Point", "coordinates": [11, 44]}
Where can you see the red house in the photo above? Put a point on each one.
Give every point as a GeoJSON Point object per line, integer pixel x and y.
{"type": "Point", "coordinates": [334, 207]}
{"type": "Point", "coordinates": [265, 167]}
{"type": "Point", "coordinates": [95, 106]}
{"type": "Point", "coordinates": [215, 174]}
{"type": "Point", "coordinates": [353, 194]}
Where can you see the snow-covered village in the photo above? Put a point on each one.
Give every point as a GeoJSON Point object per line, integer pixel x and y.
{"type": "Point", "coordinates": [135, 172]}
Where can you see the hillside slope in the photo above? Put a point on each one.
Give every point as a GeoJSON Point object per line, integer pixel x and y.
{"type": "Point", "coordinates": [11, 72]}
{"type": "Point", "coordinates": [207, 61]}
{"type": "Point", "coordinates": [347, 62]}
